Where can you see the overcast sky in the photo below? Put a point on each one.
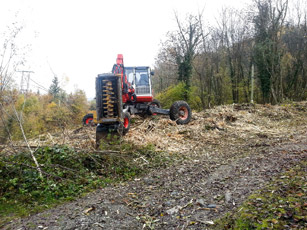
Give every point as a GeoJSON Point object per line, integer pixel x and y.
{"type": "Point", "coordinates": [79, 39]}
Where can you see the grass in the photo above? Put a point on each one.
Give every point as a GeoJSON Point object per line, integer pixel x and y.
{"type": "Point", "coordinates": [280, 205]}
{"type": "Point", "coordinates": [67, 175]}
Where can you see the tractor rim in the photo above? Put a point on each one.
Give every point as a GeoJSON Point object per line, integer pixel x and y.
{"type": "Point", "coordinates": [126, 122]}
{"type": "Point", "coordinates": [88, 120]}
{"type": "Point", "coordinates": [183, 112]}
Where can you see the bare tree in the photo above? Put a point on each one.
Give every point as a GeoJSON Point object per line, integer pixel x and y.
{"type": "Point", "coordinates": [222, 56]}
{"type": "Point", "coordinates": [294, 62]}
{"type": "Point", "coordinates": [235, 37]}
{"type": "Point", "coordinates": [182, 47]}
{"type": "Point", "coordinates": [165, 70]}
{"type": "Point", "coordinates": [9, 61]}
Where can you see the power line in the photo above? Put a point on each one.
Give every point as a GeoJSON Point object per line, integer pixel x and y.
{"type": "Point", "coordinates": [40, 86]}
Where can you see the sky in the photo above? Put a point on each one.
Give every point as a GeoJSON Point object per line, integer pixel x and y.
{"type": "Point", "coordinates": [77, 39]}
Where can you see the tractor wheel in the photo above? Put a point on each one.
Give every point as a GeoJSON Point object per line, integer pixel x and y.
{"type": "Point", "coordinates": [126, 123]}
{"type": "Point", "coordinates": [88, 120]}
{"type": "Point", "coordinates": [125, 126]}
{"type": "Point", "coordinates": [180, 112]}
{"type": "Point", "coordinates": [156, 103]}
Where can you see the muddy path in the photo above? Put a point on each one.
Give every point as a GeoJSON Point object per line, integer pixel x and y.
{"type": "Point", "coordinates": [227, 154]}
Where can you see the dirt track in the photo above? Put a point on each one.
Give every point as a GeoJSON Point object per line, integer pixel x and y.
{"type": "Point", "coordinates": [228, 152]}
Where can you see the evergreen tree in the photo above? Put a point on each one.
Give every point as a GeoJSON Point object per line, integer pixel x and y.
{"type": "Point", "coordinates": [55, 88]}
{"type": "Point", "coordinates": [56, 91]}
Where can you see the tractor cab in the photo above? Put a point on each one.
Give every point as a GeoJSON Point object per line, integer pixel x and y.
{"type": "Point", "coordinates": [140, 80]}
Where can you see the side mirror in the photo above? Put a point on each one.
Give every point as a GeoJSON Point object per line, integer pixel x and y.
{"type": "Point", "coordinates": [152, 73]}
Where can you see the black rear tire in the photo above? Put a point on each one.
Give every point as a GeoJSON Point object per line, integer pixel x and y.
{"type": "Point", "coordinates": [180, 112]}
{"type": "Point", "coordinates": [155, 102]}
{"type": "Point", "coordinates": [88, 119]}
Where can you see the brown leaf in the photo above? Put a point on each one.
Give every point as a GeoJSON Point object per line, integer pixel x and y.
{"type": "Point", "coordinates": [86, 211]}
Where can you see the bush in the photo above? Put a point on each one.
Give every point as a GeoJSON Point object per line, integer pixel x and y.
{"type": "Point", "coordinates": [176, 93]}
{"type": "Point", "coordinates": [66, 174]}
{"type": "Point", "coordinates": [39, 114]}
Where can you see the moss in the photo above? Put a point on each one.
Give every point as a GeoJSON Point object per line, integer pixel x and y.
{"type": "Point", "coordinates": [280, 205]}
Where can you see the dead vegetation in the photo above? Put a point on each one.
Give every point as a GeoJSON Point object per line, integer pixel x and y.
{"type": "Point", "coordinates": [227, 153]}
{"type": "Point", "coordinates": [246, 122]}
{"type": "Point", "coordinates": [253, 123]}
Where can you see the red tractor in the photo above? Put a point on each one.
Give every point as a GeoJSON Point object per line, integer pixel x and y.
{"type": "Point", "coordinates": [127, 91]}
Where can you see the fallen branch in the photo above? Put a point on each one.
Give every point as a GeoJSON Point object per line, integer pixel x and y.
{"type": "Point", "coordinates": [25, 139]}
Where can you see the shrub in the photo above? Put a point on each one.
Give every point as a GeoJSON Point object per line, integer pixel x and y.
{"type": "Point", "coordinates": [176, 93]}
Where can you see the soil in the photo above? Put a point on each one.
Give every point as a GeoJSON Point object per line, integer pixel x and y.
{"type": "Point", "coordinates": [227, 153]}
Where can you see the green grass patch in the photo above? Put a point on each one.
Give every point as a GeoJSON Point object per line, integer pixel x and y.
{"type": "Point", "coordinates": [67, 174]}
{"type": "Point", "coordinates": [280, 205]}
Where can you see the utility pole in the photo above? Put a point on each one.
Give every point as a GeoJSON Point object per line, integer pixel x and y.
{"type": "Point", "coordinates": [252, 75]}
{"type": "Point", "coordinates": [25, 80]}
{"type": "Point", "coordinates": [24, 87]}
{"type": "Point", "coordinates": [252, 80]}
